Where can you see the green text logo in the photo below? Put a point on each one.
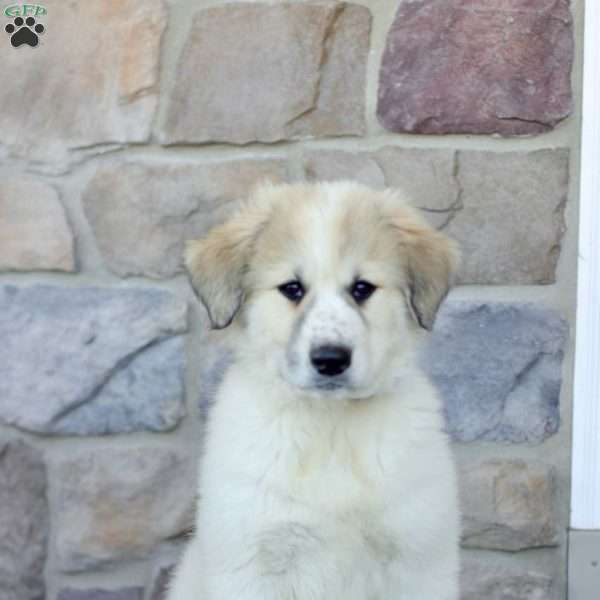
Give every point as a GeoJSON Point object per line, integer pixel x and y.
{"type": "Point", "coordinates": [25, 10]}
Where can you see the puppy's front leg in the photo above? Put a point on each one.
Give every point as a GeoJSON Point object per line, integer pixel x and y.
{"type": "Point", "coordinates": [199, 577]}
{"type": "Point", "coordinates": [283, 562]}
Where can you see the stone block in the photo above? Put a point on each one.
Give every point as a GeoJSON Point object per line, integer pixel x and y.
{"type": "Point", "coordinates": [91, 361]}
{"type": "Point", "coordinates": [477, 66]}
{"type": "Point", "coordinates": [270, 71]}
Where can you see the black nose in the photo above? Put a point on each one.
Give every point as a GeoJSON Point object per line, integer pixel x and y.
{"type": "Point", "coordinates": [330, 360]}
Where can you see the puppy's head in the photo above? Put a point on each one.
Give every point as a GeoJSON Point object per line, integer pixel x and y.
{"type": "Point", "coordinates": [330, 282]}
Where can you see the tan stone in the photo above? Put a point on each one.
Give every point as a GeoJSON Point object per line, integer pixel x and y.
{"type": "Point", "coordinates": [114, 504]}
{"type": "Point", "coordinates": [481, 581]}
{"type": "Point", "coordinates": [34, 232]}
{"type": "Point", "coordinates": [427, 177]}
{"type": "Point", "coordinates": [512, 221]}
{"type": "Point", "coordinates": [91, 81]}
{"type": "Point", "coordinates": [506, 209]}
{"type": "Point", "coordinates": [332, 165]}
{"type": "Point", "coordinates": [267, 72]}
{"type": "Point", "coordinates": [508, 505]}
{"type": "Point", "coordinates": [142, 213]}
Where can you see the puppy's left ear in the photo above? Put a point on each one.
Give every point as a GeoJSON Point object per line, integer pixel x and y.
{"type": "Point", "coordinates": [216, 264]}
{"type": "Point", "coordinates": [431, 263]}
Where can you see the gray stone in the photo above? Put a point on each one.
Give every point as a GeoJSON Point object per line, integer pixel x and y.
{"type": "Point", "coordinates": [583, 578]}
{"type": "Point", "coordinates": [34, 232]}
{"type": "Point", "coordinates": [24, 522]}
{"type": "Point", "coordinates": [506, 210]}
{"type": "Point", "coordinates": [480, 581]}
{"type": "Point", "coordinates": [477, 66]}
{"type": "Point", "coordinates": [163, 569]}
{"type": "Point", "coordinates": [119, 504]}
{"type": "Point", "coordinates": [160, 582]}
{"type": "Point", "coordinates": [91, 361]}
{"type": "Point", "coordinates": [271, 71]}
{"type": "Point", "coordinates": [498, 367]}
{"type": "Point", "coordinates": [511, 223]}
{"type": "Point", "coordinates": [216, 360]}
{"type": "Point", "coordinates": [142, 214]}
{"type": "Point", "coordinates": [508, 505]}
{"type": "Point", "coordinates": [86, 91]}
{"type": "Point", "coordinates": [128, 593]}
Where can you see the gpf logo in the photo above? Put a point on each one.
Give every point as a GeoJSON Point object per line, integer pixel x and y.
{"type": "Point", "coordinates": [25, 29]}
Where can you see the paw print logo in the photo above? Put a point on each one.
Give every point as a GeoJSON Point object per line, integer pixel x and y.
{"type": "Point", "coordinates": [24, 31]}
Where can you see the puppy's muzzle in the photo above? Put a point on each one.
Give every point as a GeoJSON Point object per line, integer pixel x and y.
{"type": "Point", "coordinates": [330, 360]}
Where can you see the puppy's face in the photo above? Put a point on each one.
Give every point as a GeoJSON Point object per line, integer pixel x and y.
{"type": "Point", "coordinates": [330, 283]}
{"type": "Point", "coordinates": [324, 299]}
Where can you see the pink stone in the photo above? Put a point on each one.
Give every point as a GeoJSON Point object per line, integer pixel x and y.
{"type": "Point", "coordinates": [477, 66]}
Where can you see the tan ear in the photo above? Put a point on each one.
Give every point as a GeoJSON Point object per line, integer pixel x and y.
{"type": "Point", "coordinates": [216, 264]}
{"type": "Point", "coordinates": [431, 262]}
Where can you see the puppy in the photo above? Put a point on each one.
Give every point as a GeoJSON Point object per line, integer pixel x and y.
{"type": "Point", "coordinates": [326, 475]}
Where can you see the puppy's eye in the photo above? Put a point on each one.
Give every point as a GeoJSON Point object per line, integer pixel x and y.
{"type": "Point", "coordinates": [361, 290]}
{"type": "Point", "coordinates": [292, 290]}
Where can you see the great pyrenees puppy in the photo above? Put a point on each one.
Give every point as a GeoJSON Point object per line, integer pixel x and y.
{"type": "Point", "coordinates": [325, 473]}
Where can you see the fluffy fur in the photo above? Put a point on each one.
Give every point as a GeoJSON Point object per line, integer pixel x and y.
{"type": "Point", "coordinates": [315, 487]}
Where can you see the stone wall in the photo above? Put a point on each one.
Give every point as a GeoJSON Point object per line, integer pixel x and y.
{"type": "Point", "coordinates": [136, 125]}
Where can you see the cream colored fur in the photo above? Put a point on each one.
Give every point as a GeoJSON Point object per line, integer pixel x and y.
{"type": "Point", "coordinates": [308, 492]}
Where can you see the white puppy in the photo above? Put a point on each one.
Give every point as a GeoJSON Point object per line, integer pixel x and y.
{"type": "Point", "coordinates": [326, 475]}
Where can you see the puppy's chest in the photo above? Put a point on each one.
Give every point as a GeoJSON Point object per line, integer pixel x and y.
{"type": "Point", "coordinates": [328, 500]}
{"type": "Point", "coordinates": [331, 471]}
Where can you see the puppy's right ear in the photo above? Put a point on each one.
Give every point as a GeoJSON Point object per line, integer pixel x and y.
{"type": "Point", "coordinates": [216, 264]}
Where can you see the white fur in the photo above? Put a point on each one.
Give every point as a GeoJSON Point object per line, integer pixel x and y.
{"type": "Point", "coordinates": [307, 494]}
